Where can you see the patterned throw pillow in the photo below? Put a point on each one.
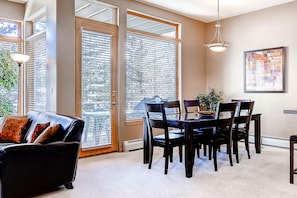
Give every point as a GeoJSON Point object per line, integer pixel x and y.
{"type": "Point", "coordinates": [12, 128]}
{"type": "Point", "coordinates": [47, 133]}
{"type": "Point", "coordinates": [39, 128]}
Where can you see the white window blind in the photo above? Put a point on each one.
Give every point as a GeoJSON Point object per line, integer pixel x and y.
{"type": "Point", "coordinates": [36, 72]}
{"type": "Point", "coordinates": [151, 68]}
{"type": "Point", "coordinates": [96, 88]}
{"type": "Point", "coordinates": [96, 61]}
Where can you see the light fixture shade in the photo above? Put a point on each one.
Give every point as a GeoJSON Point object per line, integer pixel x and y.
{"type": "Point", "coordinates": [218, 47]}
{"type": "Point", "coordinates": [217, 44]}
{"type": "Point", "coordinates": [20, 58]}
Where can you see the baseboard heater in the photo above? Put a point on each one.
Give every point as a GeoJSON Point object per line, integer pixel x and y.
{"type": "Point", "coordinates": [136, 144]}
{"type": "Point", "coordinates": [132, 145]}
{"type": "Point", "coordinates": [272, 141]}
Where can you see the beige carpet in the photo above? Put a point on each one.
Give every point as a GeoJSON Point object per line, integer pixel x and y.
{"type": "Point", "coordinates": [124, 175]}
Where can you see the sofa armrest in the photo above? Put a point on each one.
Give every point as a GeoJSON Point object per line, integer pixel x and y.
{"type": "Point", "coordinates": [36, 167]}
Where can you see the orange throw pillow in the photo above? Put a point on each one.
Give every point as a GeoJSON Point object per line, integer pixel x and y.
{"type": "Point", "coordinates": [12, 128]}
{"type": "Point", "coordinates": [39, 128]}
{"type": "Point", "coordinates": [47, 133]}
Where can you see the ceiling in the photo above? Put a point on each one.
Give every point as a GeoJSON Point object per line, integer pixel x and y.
{"type": "Point", "coordinates": [206, 10]}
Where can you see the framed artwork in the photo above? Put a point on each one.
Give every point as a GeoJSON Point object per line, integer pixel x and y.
{"type": "Point", "coordinates": [264, 70]}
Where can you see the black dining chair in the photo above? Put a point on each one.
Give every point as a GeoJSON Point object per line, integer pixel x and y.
{"type": "Point", "coordinates": [156, 119]}
{"type": "Point", "coordinates": [222, 132]}
{"type": "Point", "coordinates": [193, 106]}
{"type": "Point", "coordinates": [242, 125]}
{"type": "Point", "coordinates": [173, 107]}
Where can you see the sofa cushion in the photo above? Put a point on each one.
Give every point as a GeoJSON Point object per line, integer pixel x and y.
{"type": "Point", "coordinates": [39, 128]}
{"type": "Point", "coordinates": [49, 132]}
{"type": "Point", "coordinates": [12, 128]}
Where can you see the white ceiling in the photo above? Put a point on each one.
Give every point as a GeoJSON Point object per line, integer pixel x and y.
{"type": "Point", "coordinates": [206, 10]}
{"type": "Point", "coordinates": [19, 1]}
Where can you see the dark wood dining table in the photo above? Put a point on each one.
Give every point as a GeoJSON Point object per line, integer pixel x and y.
{"type": "Point", "coordinates": [188, 122]}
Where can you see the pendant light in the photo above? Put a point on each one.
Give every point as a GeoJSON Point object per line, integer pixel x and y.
{"type": "Point", "coordinates": [217, 44]}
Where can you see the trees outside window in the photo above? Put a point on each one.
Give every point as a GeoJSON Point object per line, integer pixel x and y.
{"type": "Point", "coordinates": [10, 42]}
{"type": "Point", "coordinates": [8, 80]}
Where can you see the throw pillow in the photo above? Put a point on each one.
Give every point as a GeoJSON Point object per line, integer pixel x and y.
{"type": "Point", "coordinates": [39, 128]}
{"type": "Point", "coordinates": [12, 128]}
{"type": "Point", "coordinates": [47, 133]}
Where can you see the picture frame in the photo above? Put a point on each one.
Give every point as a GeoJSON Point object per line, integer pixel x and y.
{"type": "Point", "coordinates": [264, 70]}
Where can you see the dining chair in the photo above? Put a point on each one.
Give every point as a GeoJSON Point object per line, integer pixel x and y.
{"type": "Point", "coordinates": [193, 106]}
{"type": "Point", "coordinates": [156, 120]}
{"type": "Point", "coordinates": [222, 132]}
{"type": "Point", "coordinates": [173, 107]}
{"type": "Point", "coordinates": [242, 125]}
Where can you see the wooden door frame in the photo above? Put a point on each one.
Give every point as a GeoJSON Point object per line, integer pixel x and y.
{"type": "Point", "coordinates": [90, 25]}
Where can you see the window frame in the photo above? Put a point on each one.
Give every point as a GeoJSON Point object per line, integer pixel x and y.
{"type": "Point", "coordinates": [176, 39]}
{"type": "Point", "coordinates": [19, 40]}
{"type": "Point", "coordinates": [20, 32]}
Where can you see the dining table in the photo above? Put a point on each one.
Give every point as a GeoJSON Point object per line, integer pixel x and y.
{"type": "Point", "coordinates": [188, 122]}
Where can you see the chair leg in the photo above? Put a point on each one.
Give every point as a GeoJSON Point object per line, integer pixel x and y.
{"type": "Point", "coordinates": [167, 153]}
{"type": "Point", "coordinates": [291, 162]}
{"type": "Point", "coordinates": [171, 154]}
{"type": "Point", "coordinates": [209, 151]}
{"type": "Point", "coordinates": [246, 140]}
{"type": "Point", "coordinates": [180, 153]}
{"type": "Point", "coordinates": [235, 150]}
{"type": "Point", "coordinates": [151, 156]}
{"type": "Point", "coordinates": [215, 158]}
{"type": "Point", "coordinates": [198, 150]}
{"type": "Point", "coordinates": [230, 154]}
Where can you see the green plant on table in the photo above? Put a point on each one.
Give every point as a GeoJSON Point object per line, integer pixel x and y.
{"type": "Point", "coordinates": [210, 100]}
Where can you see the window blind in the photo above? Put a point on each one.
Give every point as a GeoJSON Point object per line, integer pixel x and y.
{"type": "Point", "coordinates": [36, 72]}
{"type": "Point", "coordinates": [96, 87]}
{"type": "Point", "coordinates": [151, 71]}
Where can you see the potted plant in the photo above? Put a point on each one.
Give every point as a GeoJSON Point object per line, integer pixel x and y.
{"type": "Point", "coordinates": [210, 100]}
{"type": "Point", "coordinates": [8, 79]}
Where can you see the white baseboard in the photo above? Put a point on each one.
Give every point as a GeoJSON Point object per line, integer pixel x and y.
{"type": "Point", "coordinates": [131, 145]}
{"type": "Point", "coordinates": [136, 144]}
{"type": "Point", "coordinates": [271, 141]}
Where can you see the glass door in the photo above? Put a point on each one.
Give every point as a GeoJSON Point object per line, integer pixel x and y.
{"type": "Point", "coordinates": [96, 69]}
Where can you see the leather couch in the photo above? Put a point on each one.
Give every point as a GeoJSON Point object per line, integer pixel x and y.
{"type": "Point", "coordinates": [27, 169]}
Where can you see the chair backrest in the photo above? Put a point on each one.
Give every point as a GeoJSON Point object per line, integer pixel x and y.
{"type": "Point", "coordinates": [156, 118]}
{"type": "Point", "coordinates": [172, 106]}
{"type": "Point", "coordinates": [225, 110]}
{"type": "Point", "coordinates": [244, 113]}
{"type": "Point", "coordinates": [191, 106]}
{"type": "Point", "coordinates": [238, 103]}
{"type": "Point", "coordinates": [225, 113]}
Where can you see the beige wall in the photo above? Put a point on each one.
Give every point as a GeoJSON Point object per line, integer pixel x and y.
{"type": "Point", "coordinates": [192, 59]}
{"type": "Point", "coordinates": [10, 10]}
{"type": "Point", "coordinates": [272, 27]}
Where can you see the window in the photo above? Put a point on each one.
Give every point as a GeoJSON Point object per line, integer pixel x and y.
{"type": "Point", "coordinates": [152, 62]}
{"type": "Point", "coordinates": [10, 42]}
{"type": "Point", "coordinates": [36, 72]}
{"type": "Point", "coordinates": [96, 11]}
{"type": "Point", "coordinates": [10, 28]}
{"type": "Point", "coordinates": [40, 25]}
{"type": "Point", "coordinates": [36, 67]}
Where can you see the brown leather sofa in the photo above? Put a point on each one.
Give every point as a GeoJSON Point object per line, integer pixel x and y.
{"type": "Point", "coordinates": [27, 169]}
